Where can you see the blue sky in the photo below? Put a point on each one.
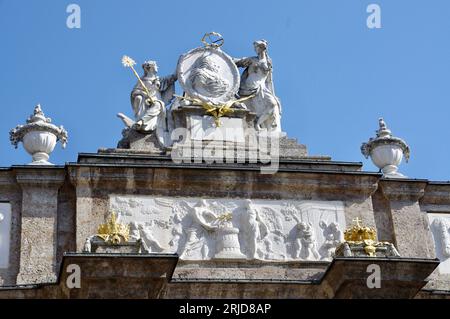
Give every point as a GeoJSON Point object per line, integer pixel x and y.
{"type": "Point", "coordinates": [334, 76]}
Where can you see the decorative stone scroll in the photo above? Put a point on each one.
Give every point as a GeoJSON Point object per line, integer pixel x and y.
{"type": "Point", "coordinates": [206, 229]}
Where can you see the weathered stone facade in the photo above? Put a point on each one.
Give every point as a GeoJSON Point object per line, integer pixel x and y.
{"type": "Point", "coordinates": [54, 210]}
{"type": "Point", "coordinates": [206, 197]}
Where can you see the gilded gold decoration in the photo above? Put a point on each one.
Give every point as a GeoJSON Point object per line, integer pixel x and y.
{"type": "Point", "coordinates": [362, 241]}
{"type": "Point", "coordinates": [370, 247]}
{"type": "Point", "coordinates": [216, 111]}
{"type": "Point", "coordinates": [114, 232]}
{"type": "Point", "coordinates": [226, 217]}
{"type": "Point", "coordinates": [362, 235]}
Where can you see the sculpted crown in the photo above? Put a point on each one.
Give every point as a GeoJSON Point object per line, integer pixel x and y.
{"type": "Point", "coordinates": [360, 233]}
{"type": "Point", "coordinates": [113, 232]}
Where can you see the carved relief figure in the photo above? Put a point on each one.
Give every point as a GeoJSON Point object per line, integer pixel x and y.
{"type": "Point", "coordinates": [205, 78]}
{"type": "Point", "coordinates": [333, 237]}
{"type": "Point", "coordinates": [253, 228]}
{"type": "Point", "coordinates": [149, 242]}
{"type": "Point", "coordinates": [87, 247]}
{"type": "Point", "coordinates": [203, 223]}
{"type": "Point", "coordinates": [257, 79]}
{"type": "Point", "coordinates": [441, 227]}
{"type": "Point", "coordinates": [150, 111]}
{"type": "Point", "coordinates": [226, 228]}
{"type": "Point", "coordinates": [177, 231]}
{"type": "Point", "coordinates": [306, 245]}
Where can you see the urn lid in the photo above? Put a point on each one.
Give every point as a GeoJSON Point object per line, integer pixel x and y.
{"type": "Point", "coordinates": [38, 116]}
{"type": "Point", "coordinates": [384, 137]}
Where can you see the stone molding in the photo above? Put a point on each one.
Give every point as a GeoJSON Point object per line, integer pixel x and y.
{"type": "Point", "coordinates": [436, 194]}
{"type": "Point", "coordinates": [403, 190]}
{"type": "Point", "coordinates": [49, 177]}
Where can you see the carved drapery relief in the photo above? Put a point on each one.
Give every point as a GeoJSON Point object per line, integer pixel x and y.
{"type": "Point", "coordinates": [5, 229]}
{"type": "Point", "coordinates": [203, 229]}
{"type": "Point", "coordinates": [440, 227]}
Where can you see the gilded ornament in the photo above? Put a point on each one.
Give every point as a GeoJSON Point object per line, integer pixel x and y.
{"type": "Point", "coordinates": [114, 232]}
{"type": "Point", "coordinates": [363, 239]}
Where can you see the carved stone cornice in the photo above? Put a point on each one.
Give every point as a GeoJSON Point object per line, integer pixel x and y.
{"type": "Point", "coordinates": [7, 178]}
{"type": "Point", "coordinates": [39, 176]}
{"type": "Point", "coordinates": [218, 182]}
{"type": "Point", "coordinates": [403, 189]}
{"type": "Point", "coordinates": [437, 194]}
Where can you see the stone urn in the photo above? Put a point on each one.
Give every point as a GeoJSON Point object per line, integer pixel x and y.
{"type": "Point", "coordinates": [386, 151]}
{"type": "Point", "coordinates": [39, 137]}
{"type": "Point", "coordinates": [227, 245]}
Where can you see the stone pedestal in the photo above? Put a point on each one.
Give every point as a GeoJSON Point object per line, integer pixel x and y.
{"type": "Point", "coordinates": [399, 277]}
{"type": "Point", "coordinates": [195, 127]}
{"type": "Point", "coordinates": [365, 248]}
{"type": "Point", "coordinates": [140, 142]}
{"type": "Point", "coordinates": [131, 247]}
{"type": "Point", "coordinates": [197, 136]}
{"type": "Point", "coordinates": [39, 223]}
{"type": "Point", "coordinates": [410, 224]}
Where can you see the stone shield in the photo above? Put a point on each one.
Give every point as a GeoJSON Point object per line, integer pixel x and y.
{"type": "Point", "coordinates": [208, 74]}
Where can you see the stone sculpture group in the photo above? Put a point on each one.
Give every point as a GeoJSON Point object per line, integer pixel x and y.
{"type": "Point", "coordinates": [215, 92]}
{"type": "Point", "coordinates": [208, 77]}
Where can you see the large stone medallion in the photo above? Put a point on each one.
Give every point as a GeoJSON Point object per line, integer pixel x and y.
{"type": "Point", "coordinates": [208, 74]}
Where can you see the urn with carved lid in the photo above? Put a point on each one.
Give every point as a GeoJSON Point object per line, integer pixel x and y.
{"type": "Point", "coordinates": [38, 136]}
{"type": "Point", "coordinates": [386, 151]}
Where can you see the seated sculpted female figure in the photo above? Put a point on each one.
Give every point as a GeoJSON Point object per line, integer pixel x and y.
{"type": "Point", "coordinates": [150, 113]}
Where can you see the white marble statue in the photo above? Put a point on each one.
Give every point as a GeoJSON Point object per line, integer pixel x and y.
{"type": "Point", "coordinates": [257, 79]}
{"type": "Point", "coordinates": [87, 247]}
{"type": "Point", "coordinates": [150, 111]}
{"type": "Point", "coordinates": [253, 228]}
{"type": "Point", "coordinates": [441, 230]}
{"type": "Point", "coordinates": [333, 237]}
{"type": "Point", "coordinates": [306, 243]}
